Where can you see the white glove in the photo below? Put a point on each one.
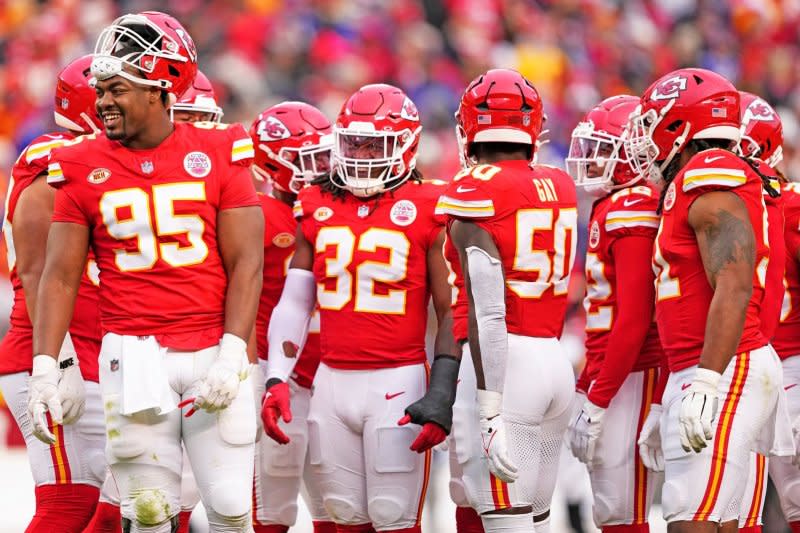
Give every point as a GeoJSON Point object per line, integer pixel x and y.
{"type": "Point", "coordinates": [650, 440]}
{"type": "Point", "coordinates": [698, 410]}
{"type": "Point", "coordinates": [584, 430]}
{"type": "Point", "coordinates": [71, 387]}
{"type": "Point", "coordinates": [43, 396]}
{"type": "Point", "coordinates": [493, 436]}
{"type": "Point", "coordinates": [221, 385]}
{"type": "Point", "coordinates": [796, 434]}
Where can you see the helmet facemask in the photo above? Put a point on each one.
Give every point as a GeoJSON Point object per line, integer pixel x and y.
{"type": "Point", "coordinates": [593, 159]}
{"type": "Point", "coordinates": [306, 163]}
{"type": "Point", "coordinates": [368, 162]}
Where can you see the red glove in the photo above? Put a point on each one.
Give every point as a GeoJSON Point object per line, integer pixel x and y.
{"type": "Point", "coordinates": [276, 405]}
{"type": "Point", "coordinates": [431, 435]}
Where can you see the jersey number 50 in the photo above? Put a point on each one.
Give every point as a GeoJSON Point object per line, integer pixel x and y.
{"type": "Point", "coordinates": [139, 225]}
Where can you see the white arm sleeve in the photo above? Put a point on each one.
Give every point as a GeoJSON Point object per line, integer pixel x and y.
{"type": "Point", "coordinates": [289, 322]}
{"type": "Point", "coordinates": [488, 295]}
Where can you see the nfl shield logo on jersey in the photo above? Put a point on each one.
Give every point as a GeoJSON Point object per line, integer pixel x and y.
{"type": "Point", "coordinates": [197, 164]}
{"type": "Point", "coordinates": [147, 167]}
{"type": "Point", "coordinates": [363, 211]}
{"type": "Point", "coordinates": [64, 103]}
{"type": "Point", "coordinates": [113, 365]}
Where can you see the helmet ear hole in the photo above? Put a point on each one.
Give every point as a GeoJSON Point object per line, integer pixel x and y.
{"type": "Point", "coordinates": [675, 125]}
{"type": "Point", "coordinates": [173, 71]}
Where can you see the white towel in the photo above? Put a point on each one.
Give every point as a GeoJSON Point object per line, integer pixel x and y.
{"type": "Point", "coordinates": [145, 384]}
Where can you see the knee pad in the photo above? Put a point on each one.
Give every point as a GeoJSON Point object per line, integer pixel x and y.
{"type": "Point", "coordinates": [396, 456]}
{"type": "Point", "coordinates": [151, 508]}
{"type": "Point", "coordinates": [218, 523]}
{"type": "Point", "coordinates": [385, 510]}
{"type": "Point", "coordinates": [227, 501]}
{"type": "Point", "coordinates": [340, 511]}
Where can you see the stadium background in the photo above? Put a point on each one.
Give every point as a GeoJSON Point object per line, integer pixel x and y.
{"type": "Point", "coordinates": [259, 52]}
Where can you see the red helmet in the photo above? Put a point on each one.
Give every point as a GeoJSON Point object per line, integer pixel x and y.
{"type": "Point", "coordinates": [293, 145]}
{"type": "Point", "coordinates": [687, 104]}
{"type": "Point", "coordinates": [498, 106]}
{"type": "Point", "coordinates": [597, 159]}
{"type": "Point", "coordinates": [155, 44]}
{"type": "Point", "coordinates": [199, 98]}
{"type": "Point", "coordinates": [74, 109]}
{"type": "Point", "coordinates": [375, 140]}
{"type": "Point", "coordinates": [762, 130]}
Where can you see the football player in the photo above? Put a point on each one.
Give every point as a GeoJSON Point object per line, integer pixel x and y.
{"type": "Point", "coordinates": [369, 251]}
{"type": "Point", "coordinates": [172, 217]}
{"type": "Point", "coordinates": [68, 465]}
{"type": "Point", "coordinates": [761, 142]}
{"type": "Point", "coordinates": [198, 103]}
{"type": "Point", "coordinates": [622, 346]}
{"type": "Point", "coordinates": [513, 223]}
{"type": "Point", "coordinates": [292, 142]}
{"type": "Point", "coordinates": [711, 256]}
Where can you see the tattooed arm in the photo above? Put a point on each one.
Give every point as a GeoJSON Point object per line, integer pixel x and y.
{"type": "Point", "coordinates": [727, 245]}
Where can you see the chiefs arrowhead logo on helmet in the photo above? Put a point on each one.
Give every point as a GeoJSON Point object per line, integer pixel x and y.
{"type": "Point", "coordinates": [409, 110]}
{"type": "Point", "coordinates": [272, 129]}
{"type": "Point", "coordinates": [758, 110]}
{"type": "Point", "coordinates": [669, 88]}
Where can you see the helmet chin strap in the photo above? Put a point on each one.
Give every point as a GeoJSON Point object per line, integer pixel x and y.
{"type": "Point", "coordinates": [676, 146]}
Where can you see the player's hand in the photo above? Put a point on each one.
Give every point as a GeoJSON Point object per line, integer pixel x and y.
{"type": "Point", "coordinates": [43, 397]}
{"type": "Point", "coordinates": [650, 440]}
{"type": "Point", "coordinates": [584, 430]}
{"type": "Point", "coordinates": [493, 436]}
{"type": "Point", "coordinates": [698, 410]}
{"type": "Point", "coordinates": [276, 405]}
{"type": "Point", "coordinates": [221, 384]}
{"type": "Point", "coordinates": [434, 411]}
{"type": "Point", "coordinates": [71, 388]}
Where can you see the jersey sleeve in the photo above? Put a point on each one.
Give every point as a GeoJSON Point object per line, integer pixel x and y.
{"type": "Point", "coordinates": [67, 209]}
{"type": "Point", "coordinates": [242, 152]}
{"type": "Point", "coordinates": [713, 170]}
{"type": "Point", "coordinates": [633, 214]}
{"type": "Point", "coordinates": [468, 199]}
{"type": "Point", "coordinates": [237, 189]}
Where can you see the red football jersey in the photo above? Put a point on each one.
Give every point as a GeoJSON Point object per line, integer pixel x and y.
{"type": "Point", "coordinates": [531, 213]}
{"type": "Point", "coordinates": [16, 350]}
{"type": "Point", "coordinates": [629, 212]}
{"type": "Point", "coordinates": [372, 274]}
{"type": "Point", "coordinates": [279, 243]}
{"type": "Point", "coordinates": [787, 337]}
{"type": "Point", "coordinates": [683, 293]}
{"type": "Point", "coordinates": [152, 216]}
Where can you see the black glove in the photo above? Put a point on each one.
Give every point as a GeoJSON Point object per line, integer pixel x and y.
{"type": "Point", "coordinates": [437, 404]}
